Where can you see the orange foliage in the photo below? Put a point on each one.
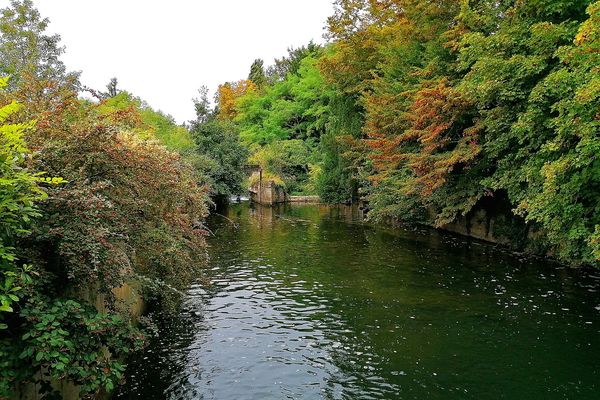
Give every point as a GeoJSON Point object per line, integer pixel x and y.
{"type": "Point", "coordinates": [435, 142]}
{"type": "Point", "coordinates": [414, 119]}
{"type": "Point", "coordinates": [227, 96]}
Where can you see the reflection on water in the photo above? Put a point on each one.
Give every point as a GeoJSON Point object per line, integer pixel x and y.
{"type": "Point", "coordinates": [306, 302]}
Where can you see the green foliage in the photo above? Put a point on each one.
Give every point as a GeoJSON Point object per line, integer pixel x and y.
{"type": "Point", "coordinates": [464, 102]}
{"type": "Point", "coordinates": [132, 113]}
{"type": "Point", "coordinates": [290, 64]}
{"type": "Point", "coordinates": [25, 48]}
{"type": "Point", "coordinates": [65, 340]}
{"type": "Point", "coordinates": [290, 161]}
{"type": "Point", "coordinates": [283, 124]}
{"type": "Point", "coordinates": [222, 155]}
{"type": "Point", "coordinates": [164, 128]}
{"type": "Point", "coordinates": [344, 168]}
{"type": "Point", "coordinates": [257, 73]}
{"type": "Point", "coordinates": [295, 108]}
{"type": "Point", "coordinates": [534, 84]}
{"type": "Point", "coordinates": [336, 182]}
{"type": "Point", "coordinates": [557, 181]}
{"type": "Point", "coordinates": [19, 191]}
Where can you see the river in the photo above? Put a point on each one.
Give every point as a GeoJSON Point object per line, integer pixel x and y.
{"type": "Point", "coordinates": [309, 302]}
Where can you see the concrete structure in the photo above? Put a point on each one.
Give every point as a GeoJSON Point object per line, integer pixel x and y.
{"type": "Point", "coordinates": [266, 191]}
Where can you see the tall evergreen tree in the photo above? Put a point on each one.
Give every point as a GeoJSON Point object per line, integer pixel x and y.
{"type": "Point", "coordinates": [257, 73]}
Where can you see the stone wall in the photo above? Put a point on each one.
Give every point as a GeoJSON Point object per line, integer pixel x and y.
{"type": "Point", "coordinates": [479, 225]}
{"type": "Point", "coordinates": [265, 191]}
{"type": "Point", "coordinates": [492, 220]}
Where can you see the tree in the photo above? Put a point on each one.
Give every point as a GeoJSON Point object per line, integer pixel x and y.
{"type": "Point", "coordinates": [219, 153]}
{"type": "Point", "coordinates": [228, 95]}
{"type": "Point", "coordinates": [545, 148]}
{"type": "Point", "coordinates": [287, 120]}
{"type": "Point", "coordinates": [131, 209]}
{"type": "Point", "coordinates": [224, 156]}
{"type": "Point", "coordinates": [294, 108]}
{"type": "Point", "coordinates": [257, 74]}
{"type": "Point", "coordinates": [111, 87]}
{"type": "Point", "coordinates": [25, 48]}
{"type": "Point", "coordinates": [468, 101]}
{"type": "Point", "coordinates": [290, 64]}
{"type": "Point", "coordinates": [204, 111]}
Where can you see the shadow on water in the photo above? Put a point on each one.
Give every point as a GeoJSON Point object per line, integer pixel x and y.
{"type": "Point", "coordinates": [307, 302]}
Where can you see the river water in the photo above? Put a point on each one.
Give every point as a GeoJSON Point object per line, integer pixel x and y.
{"type": "Point", "coordinates": [308, 302]}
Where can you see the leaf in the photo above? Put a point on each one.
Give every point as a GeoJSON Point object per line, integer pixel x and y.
{"type": "Point", "coordinates": [6, 308]}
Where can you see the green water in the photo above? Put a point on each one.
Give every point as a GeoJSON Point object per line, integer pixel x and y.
{"type": "Point", "coordinates": [307, 302]}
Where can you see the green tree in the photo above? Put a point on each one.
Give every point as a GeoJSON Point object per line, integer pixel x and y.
{"type": "Point", "coordinates": [295, 108]}
{"type": "Point", "coordinates": [223, 156]}
{"type": "Point", "coordinates": [25, 48]}
{"type": "Point", "coordinates": [202, 106]}
{"type": "Point", "coordinates": [283, 124]}
{"type": "Point", "coordinates": [544, 150]}
{"type": "Point", "coordinates": [290, 64]}
{"type": "Point", "coordinates": [518, 71]}
{"type": "Point", "coordinates": [289, 162]}
{"type": "Point", "coordinates": [257, 73]}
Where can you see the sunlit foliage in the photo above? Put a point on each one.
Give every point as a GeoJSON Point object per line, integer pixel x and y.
{"type": "Point", "coordinates": [228, 95]}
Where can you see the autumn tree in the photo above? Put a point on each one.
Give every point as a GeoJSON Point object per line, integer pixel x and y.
{"type": "Point", "coordinates": [227, 96]}
{"type": "Point", "coordinates": [130, 209]}
{"type": "Point", "coordinates": [464, 102]}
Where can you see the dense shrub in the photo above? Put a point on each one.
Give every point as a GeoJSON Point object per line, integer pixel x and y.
{"type": "Point", "coordinates": [92, 195]}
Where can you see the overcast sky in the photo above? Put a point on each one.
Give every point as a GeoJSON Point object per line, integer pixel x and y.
{"type": "Point", "coordinates": [163, 51]}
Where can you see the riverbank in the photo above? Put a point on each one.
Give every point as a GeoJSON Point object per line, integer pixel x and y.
{"type": "Point", "coordinates": [488, 222]}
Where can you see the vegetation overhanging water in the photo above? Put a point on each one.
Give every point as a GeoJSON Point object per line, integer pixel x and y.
{"type": "Point", "coordinates": [477, 116]}
{"type": "Point", "coordinates": [308, 302]}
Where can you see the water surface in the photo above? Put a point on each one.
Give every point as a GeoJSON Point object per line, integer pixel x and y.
{"type": "Point", "coordinates": [307, 302]}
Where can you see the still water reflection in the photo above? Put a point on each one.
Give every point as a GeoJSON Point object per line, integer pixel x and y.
{"type": "Point", "coordinates": [307, 302]}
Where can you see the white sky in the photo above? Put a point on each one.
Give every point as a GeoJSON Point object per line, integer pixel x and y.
{"type": "Point", "coordinates": [163, 51]}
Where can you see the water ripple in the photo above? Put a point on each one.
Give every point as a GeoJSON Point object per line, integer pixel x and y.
{"type": "Point", "coordinates": [309, 306]}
